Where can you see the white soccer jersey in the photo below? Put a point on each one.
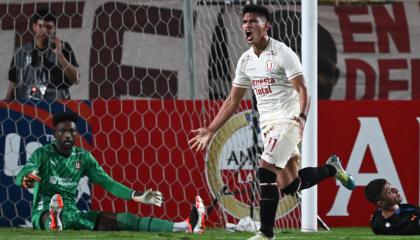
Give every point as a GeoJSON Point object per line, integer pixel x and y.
{"type": "Point", "coordinates": [269, 76]}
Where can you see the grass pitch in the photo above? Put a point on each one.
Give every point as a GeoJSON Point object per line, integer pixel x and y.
{"type": "Point", "coordinates": [335, 233]}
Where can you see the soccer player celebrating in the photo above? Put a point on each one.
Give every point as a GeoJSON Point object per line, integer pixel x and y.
{"type": "Point", "coordinates": [274, 72]}
{"type": "Point", "coordinates": [54, 172]}
{"type": "Point", "coordinates": [391, 217]}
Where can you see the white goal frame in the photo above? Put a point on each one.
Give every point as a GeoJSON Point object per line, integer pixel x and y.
{"type": "Point", "coordinates": [310, 138]}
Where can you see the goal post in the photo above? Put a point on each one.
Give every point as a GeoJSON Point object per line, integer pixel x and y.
{"type": "Point", "coordinates": [310, 138]}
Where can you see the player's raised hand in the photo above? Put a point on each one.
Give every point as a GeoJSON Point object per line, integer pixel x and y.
{"type": "Point", "coordinates": [30, 179]}
{"type": "Point", "coordinates": [148, 197]}
{"type": "Point", "coordinates": [201, 139]}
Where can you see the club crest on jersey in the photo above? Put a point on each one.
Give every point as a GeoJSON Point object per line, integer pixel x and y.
{"type": "Point", "coordinates": [78, 164]}
{"type": "Point", "coordinates": [269, 66]}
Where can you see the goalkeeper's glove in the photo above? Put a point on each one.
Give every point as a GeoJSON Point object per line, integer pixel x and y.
{"type": "Point", "coordinates": [29, 180]}
{"type": "Point", "coordinates": [148, 197]}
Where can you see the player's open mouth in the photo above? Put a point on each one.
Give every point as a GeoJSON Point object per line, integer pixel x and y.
{"type": "Point", "coordinates": [248, 35]}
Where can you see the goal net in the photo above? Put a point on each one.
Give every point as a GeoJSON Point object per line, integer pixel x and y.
{"type": "Point", "coordinates": [147, 80]}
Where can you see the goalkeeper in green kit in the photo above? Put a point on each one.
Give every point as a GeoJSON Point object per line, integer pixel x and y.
{"type": "Point", "coordinates": [54, 171]}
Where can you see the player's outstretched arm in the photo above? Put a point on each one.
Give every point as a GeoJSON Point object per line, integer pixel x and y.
{"type": "Point", "coordinates": [148, 197]}
{"type": "Point", "coordinates": [202, 136]}
{"type": "Point", "coordinates": [97, 175]}
{"type": "Point", "coordinates": [299, 84]}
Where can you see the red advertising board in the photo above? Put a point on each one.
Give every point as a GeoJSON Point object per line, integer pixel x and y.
{"type": "Point", "coordinates": [374, 139]}
{"type": "Point", "coordinates": [144, 144]}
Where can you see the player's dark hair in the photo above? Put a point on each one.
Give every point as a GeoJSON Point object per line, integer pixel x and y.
{"type": "Point", "coordinates": [373, 190]}
{"type": "Point", "coordinates": [257, 9]}
{"type": "Point", "coordinates": [44, 14]}
{"type": "Point", "coordinates": [65, 116]}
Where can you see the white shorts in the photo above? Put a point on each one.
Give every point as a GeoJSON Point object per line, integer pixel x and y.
{"type": "Point", "coordinates": [280, 143]}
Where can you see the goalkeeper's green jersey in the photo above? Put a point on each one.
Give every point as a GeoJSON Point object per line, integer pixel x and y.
{"type": "Point", "coordinates": [60, 174]}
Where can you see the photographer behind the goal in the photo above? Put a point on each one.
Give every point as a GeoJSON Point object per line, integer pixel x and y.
{"type": "Point", "coordinates": [44, 68]}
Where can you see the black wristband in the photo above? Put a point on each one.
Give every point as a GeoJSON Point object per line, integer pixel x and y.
{"type": "Point", "coordinates": [303, 116]}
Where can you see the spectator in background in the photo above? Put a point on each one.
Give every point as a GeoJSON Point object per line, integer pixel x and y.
{"type": "Point", "coordinates": [44, 68]}
{"type": "Point", "coordinates": [391, 217]}
{"type": "Point", "coordinates": [328, 72]}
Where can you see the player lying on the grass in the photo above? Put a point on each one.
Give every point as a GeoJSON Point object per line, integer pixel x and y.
{"type": "Point", "coordinates": [54, 171]}
{"type": "Point", "coordinates": [275, 74]}
{"type": "Point", "coordinates": [391, 217]}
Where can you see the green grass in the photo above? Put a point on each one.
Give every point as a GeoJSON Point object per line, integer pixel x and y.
{"type": "Point", "coordinates": [335, 233]}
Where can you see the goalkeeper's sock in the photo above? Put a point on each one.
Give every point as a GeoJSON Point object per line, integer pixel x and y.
{"type": "Point", "coordinates": [131, 222]}
{"type": "Point", "coordinates": [311, 176]}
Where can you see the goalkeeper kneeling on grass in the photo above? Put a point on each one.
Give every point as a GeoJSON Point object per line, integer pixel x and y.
{"type": "Point", "coordinates": [54, 171]}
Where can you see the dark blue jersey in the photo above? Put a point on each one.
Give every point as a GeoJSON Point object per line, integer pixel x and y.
{"type": "Point", "coordinates": [405, 221]}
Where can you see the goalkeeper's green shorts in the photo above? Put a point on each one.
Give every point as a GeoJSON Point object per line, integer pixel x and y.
{"type": "Point", "coordinates": [71, 218]}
